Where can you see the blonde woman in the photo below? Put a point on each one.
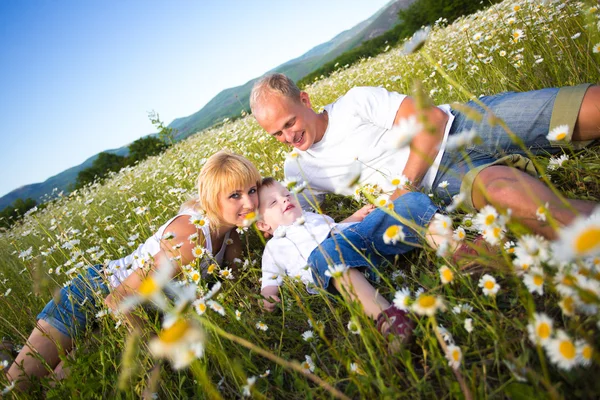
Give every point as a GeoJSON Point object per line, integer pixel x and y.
{"type": "Point", "coordinates": [227, 192]}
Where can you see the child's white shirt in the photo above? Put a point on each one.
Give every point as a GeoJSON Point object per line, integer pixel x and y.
{"type": "Point", "coordinates": [286, 254]}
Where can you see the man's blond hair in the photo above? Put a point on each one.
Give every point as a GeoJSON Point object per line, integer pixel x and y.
{"type": "Point", "coordinates": [272, 84]}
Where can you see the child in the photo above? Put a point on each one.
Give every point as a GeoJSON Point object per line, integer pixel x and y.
{"type": "Point", "coordinates": [227, 192]}
{"type": "Point", "coordinates": [305, 238]}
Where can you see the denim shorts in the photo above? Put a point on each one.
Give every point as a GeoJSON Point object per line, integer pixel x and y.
{"type": "Point", "coordinates": [77, 304]}
{"type": "Point", "coordinates": [362, 244]}
{"type": "Point", "coordinates": [530, 115]}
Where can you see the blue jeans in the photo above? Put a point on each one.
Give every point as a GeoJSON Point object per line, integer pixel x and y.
{"type": "Point", "coordinates": [362, 244]}
{"type": "Point", "coordinates": [77, 304]}
{"type": "Point", "coordinates": [527, 114]}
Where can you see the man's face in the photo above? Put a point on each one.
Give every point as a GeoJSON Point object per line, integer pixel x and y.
{"type": "Point", "coordinates": [290, 122]}
{"type": "Point", "coordinates": [276, 207]}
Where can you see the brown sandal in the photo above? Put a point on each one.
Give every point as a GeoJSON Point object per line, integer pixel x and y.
{"type": "Point", "coordinates": [398, 324]}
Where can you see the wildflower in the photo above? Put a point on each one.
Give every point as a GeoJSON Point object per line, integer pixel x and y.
{"type": "Point", "coordinates": [308, 365]}
{"type": "Point", "coordinates": [554, 163]}
{"type": "Point", "coordinates": [356, 369]}
{"type": "Point", "coordinates": [489, 285]}
{"type": "Point", "coordinates": [457, 200]}
{"type": "Point", "coordinates": [8, 389]}
{"type": "Point", "coordinates": [238, 315]}
{"type": "Point", "coordinates": [580, 239]}
{"type": "Point", "coordinates": [216, 307]}
{"type": "Point", "coordinates": [198, 220]}
{"type": "Point", "coordinates": [427, 304]}
{"type": "Point", "coordinates": [459, 234]}
{"type": "Point", "coordinates": [487, 217]}
{"type": "Point", "coordinates": [211, 269]}
{"type": "Point", "coordinates": [460, 308]}
{"type": "Point", "coordinates": [406, 130]}
{"type": "Point", "coordinates": [534, 280]}
{"type": "Point", "coordinates": [454, 356]}
{"type": "Point", "coordinates": [353, 327]}
{"type": "Point", "coordinates": [575, 36]}
{"type": "Point", "coordinates": [226, 273]}
{"type": "Point", "coordinates": [462, 139]}
{"type": "Point", "coordinates": [194, 275]}
{"type": "Point", "coordinates": [308, 336]}
{"type": "Point", "coordinates": [400, 181]}
{"type": "Point", "coordinates": [596, 48]}
{"type": "Point", "coordinates": [559, 133]}
{"type": "Point", "coordinates": [393, 234]}
{"type": "Point", "coordinates": [443, 185]}
{"type": "Point", "coordinates": [261, 326]}
{"type": "Point", "coordinates": [193, 237]}
{"type": "Point", "coordinates": [517, 35]}
{"type": "Point", "coordinates": [402, 298]}
{"type": "Point", "coordinates": [199, 306]}
{"type": "Point", "coordinates": [441, 225]}
{"type": "Point", "coordinates": [26, 253]}
{"type": "Point", "coordinates": [540, 328]}
{"type": "Point", "coordinates": [417, 41]}
{"type": "Point", "coordinates": [246, 388]}
{"type": "Point", "coordinates": [584, 352]}
{"type": "Point", "coordinates": [567, 305]}
{"type": "Point", "coordinates": [446, 274]}
{"type": "Point", "coordinates": [493, 234]}
{"type": "Point", "coordinates": [382, 201]}
{"type": "Point", "coordinates": [541, 212]}
{"type": "Point", "coordinates": [562, 351]}
{"type": "Point", "coordinates": [180, 341]}
{"type": "Point", "coordinates": [336, 271]}
{"type": "Point", "coordinates": [469, 325]}
{"type": "Point", "coordinates": [250, 218]}
{"type": "Point", "coordinates": [198, 251]}
{"type": "Point", "coordinates": [150, 289]}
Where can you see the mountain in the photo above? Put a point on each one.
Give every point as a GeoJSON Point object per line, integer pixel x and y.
{"type": "Point", "coordinates": [230, 102]}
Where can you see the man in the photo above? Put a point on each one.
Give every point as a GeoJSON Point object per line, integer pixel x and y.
{"type": "Point", "coordinates": [358, 127]}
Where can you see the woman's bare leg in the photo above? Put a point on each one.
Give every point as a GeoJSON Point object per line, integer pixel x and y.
{"type": "Point", "coordinates": [45, 340]}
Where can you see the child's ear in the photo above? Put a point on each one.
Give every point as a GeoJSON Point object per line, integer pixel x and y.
{"type": "Point", "coordinates": [262, 226]}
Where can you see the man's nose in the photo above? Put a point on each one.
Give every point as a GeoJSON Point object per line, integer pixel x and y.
{"type": "Point", "coordinates": [289, 135]}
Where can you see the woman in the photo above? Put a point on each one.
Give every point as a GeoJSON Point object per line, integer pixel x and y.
{"type": "Point", "coordinates": [227, 192]}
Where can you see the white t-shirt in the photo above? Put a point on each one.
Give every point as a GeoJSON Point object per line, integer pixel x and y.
{"type": "Point", "coordinates": [360, 128]}
{"type": "Point", "coordinates": [118, 270]}
{"type": "Point", "coordinates": [286, 254]}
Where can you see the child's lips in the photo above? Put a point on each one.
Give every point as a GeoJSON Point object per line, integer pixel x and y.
{"type": "Point", "coordinates": [289, 207]}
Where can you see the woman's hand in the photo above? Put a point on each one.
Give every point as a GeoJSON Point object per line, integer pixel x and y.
{"type": "Point", "coordinates": [360, 214]}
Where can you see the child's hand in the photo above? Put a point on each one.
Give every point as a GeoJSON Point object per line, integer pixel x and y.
{"type": "Point", "coordinates": [270, 303]}
{"type": "Point", "coordinates": [360, 214]}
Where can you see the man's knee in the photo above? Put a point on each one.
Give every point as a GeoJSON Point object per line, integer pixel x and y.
{"type": "Point", "coordinates": [496, 184]}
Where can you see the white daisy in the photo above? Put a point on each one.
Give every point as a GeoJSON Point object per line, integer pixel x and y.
{"type": "Point", "coordinates": [559, 133]}
{"type": "Point", "coordinates": [562, 351]}
{"type": "Point", "coordinates": [489, 285]}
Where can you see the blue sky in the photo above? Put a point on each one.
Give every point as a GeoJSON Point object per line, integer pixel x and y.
{"type": "Point", "coordinates": [79, 77]}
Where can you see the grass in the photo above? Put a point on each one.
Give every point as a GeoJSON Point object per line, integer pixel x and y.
{"type": "Point", "coordinates": [101, 222]}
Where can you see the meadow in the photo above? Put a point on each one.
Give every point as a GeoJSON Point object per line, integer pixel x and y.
{"type": "Point", "coordinates": [526, 326]}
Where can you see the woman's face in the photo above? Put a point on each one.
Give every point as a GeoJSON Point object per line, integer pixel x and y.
{"type": "Point", "coordinates": [237, 203]}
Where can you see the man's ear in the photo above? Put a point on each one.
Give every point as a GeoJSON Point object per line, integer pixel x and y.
{"type": "Point", "coordinates": [305, 99]}
{"type": "Point", "coordinates": [262, 226]}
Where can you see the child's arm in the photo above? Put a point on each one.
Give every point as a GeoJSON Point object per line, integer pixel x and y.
{"type": "Point", "coordinates": [360, 214]}
{"type": "Point", "coordinates": [270, 297]}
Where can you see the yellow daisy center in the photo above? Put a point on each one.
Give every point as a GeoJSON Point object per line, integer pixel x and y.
{"type": "Point", "coordinates": [490, 219]}
{"type": "Point", "coordinates": [225, 273]}
{"type": "Point", "coordinates": [250, 216]}
{"type": "Point", "coordinates": [586, 352]}
{"type": "Point", "coordinates": [175, 332]}
{"type": "Point", "coordinates": [395, 182]}
{"type": "Point", "coordinates": [456, 355]}
{"type": "Point", "coordinates": [568, 304]}
{"type": "Point", "coordinates": [588, 240]}
{"type": "Point", "coordinates": [195, 276]}
{"type": "Point", "coordinates": [561, 136]}
{"type": "Point", "coordinates": [544, 330]}
{"type": "Point", "coordinates": [489, 285]}
{"type": "Point", "coordinates": [426, 301]}
{"type": "Point", "coordinates": [447, 274]}
{"type": "Point", "coordinates": [202, 307]}
{"type": "Point", "coordinates": [148, 287]}
{"type": "Point", "coordinates": [567, 349]}
{"type": "Point", "coordinates": [568, 281]}
{"type": "Point", "coordinates": [211, 268]}
{"type": "Point", "coordinates": [392, 231]}
{"type": "Point", "coordinates": [538, 280]}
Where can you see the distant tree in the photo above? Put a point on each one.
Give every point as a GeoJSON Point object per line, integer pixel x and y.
{"type": "Point", "coordinates": [11, 214]}
{"type": "Point", "coordinates": [146, 147]}
{"type": "Point", "coordinates": [105, 163]}
{"type": "Point", "coordinates": [165, 133]}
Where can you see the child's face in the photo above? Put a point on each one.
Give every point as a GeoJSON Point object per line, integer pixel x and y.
{"type": "Point", "coordinates": [277, 207]}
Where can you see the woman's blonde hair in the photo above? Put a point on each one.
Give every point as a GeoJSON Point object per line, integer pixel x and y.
{"type": "Point", "coordinates": [224, 171]}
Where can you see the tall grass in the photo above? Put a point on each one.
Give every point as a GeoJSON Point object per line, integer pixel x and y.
{"type": "Point", "coordinates": [102, 222]}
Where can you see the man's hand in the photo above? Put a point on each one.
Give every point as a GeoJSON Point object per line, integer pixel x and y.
{"type": "Point", "coordinates": [360, 214]}
{"type": "Point", "coordinates": [270, 298]}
